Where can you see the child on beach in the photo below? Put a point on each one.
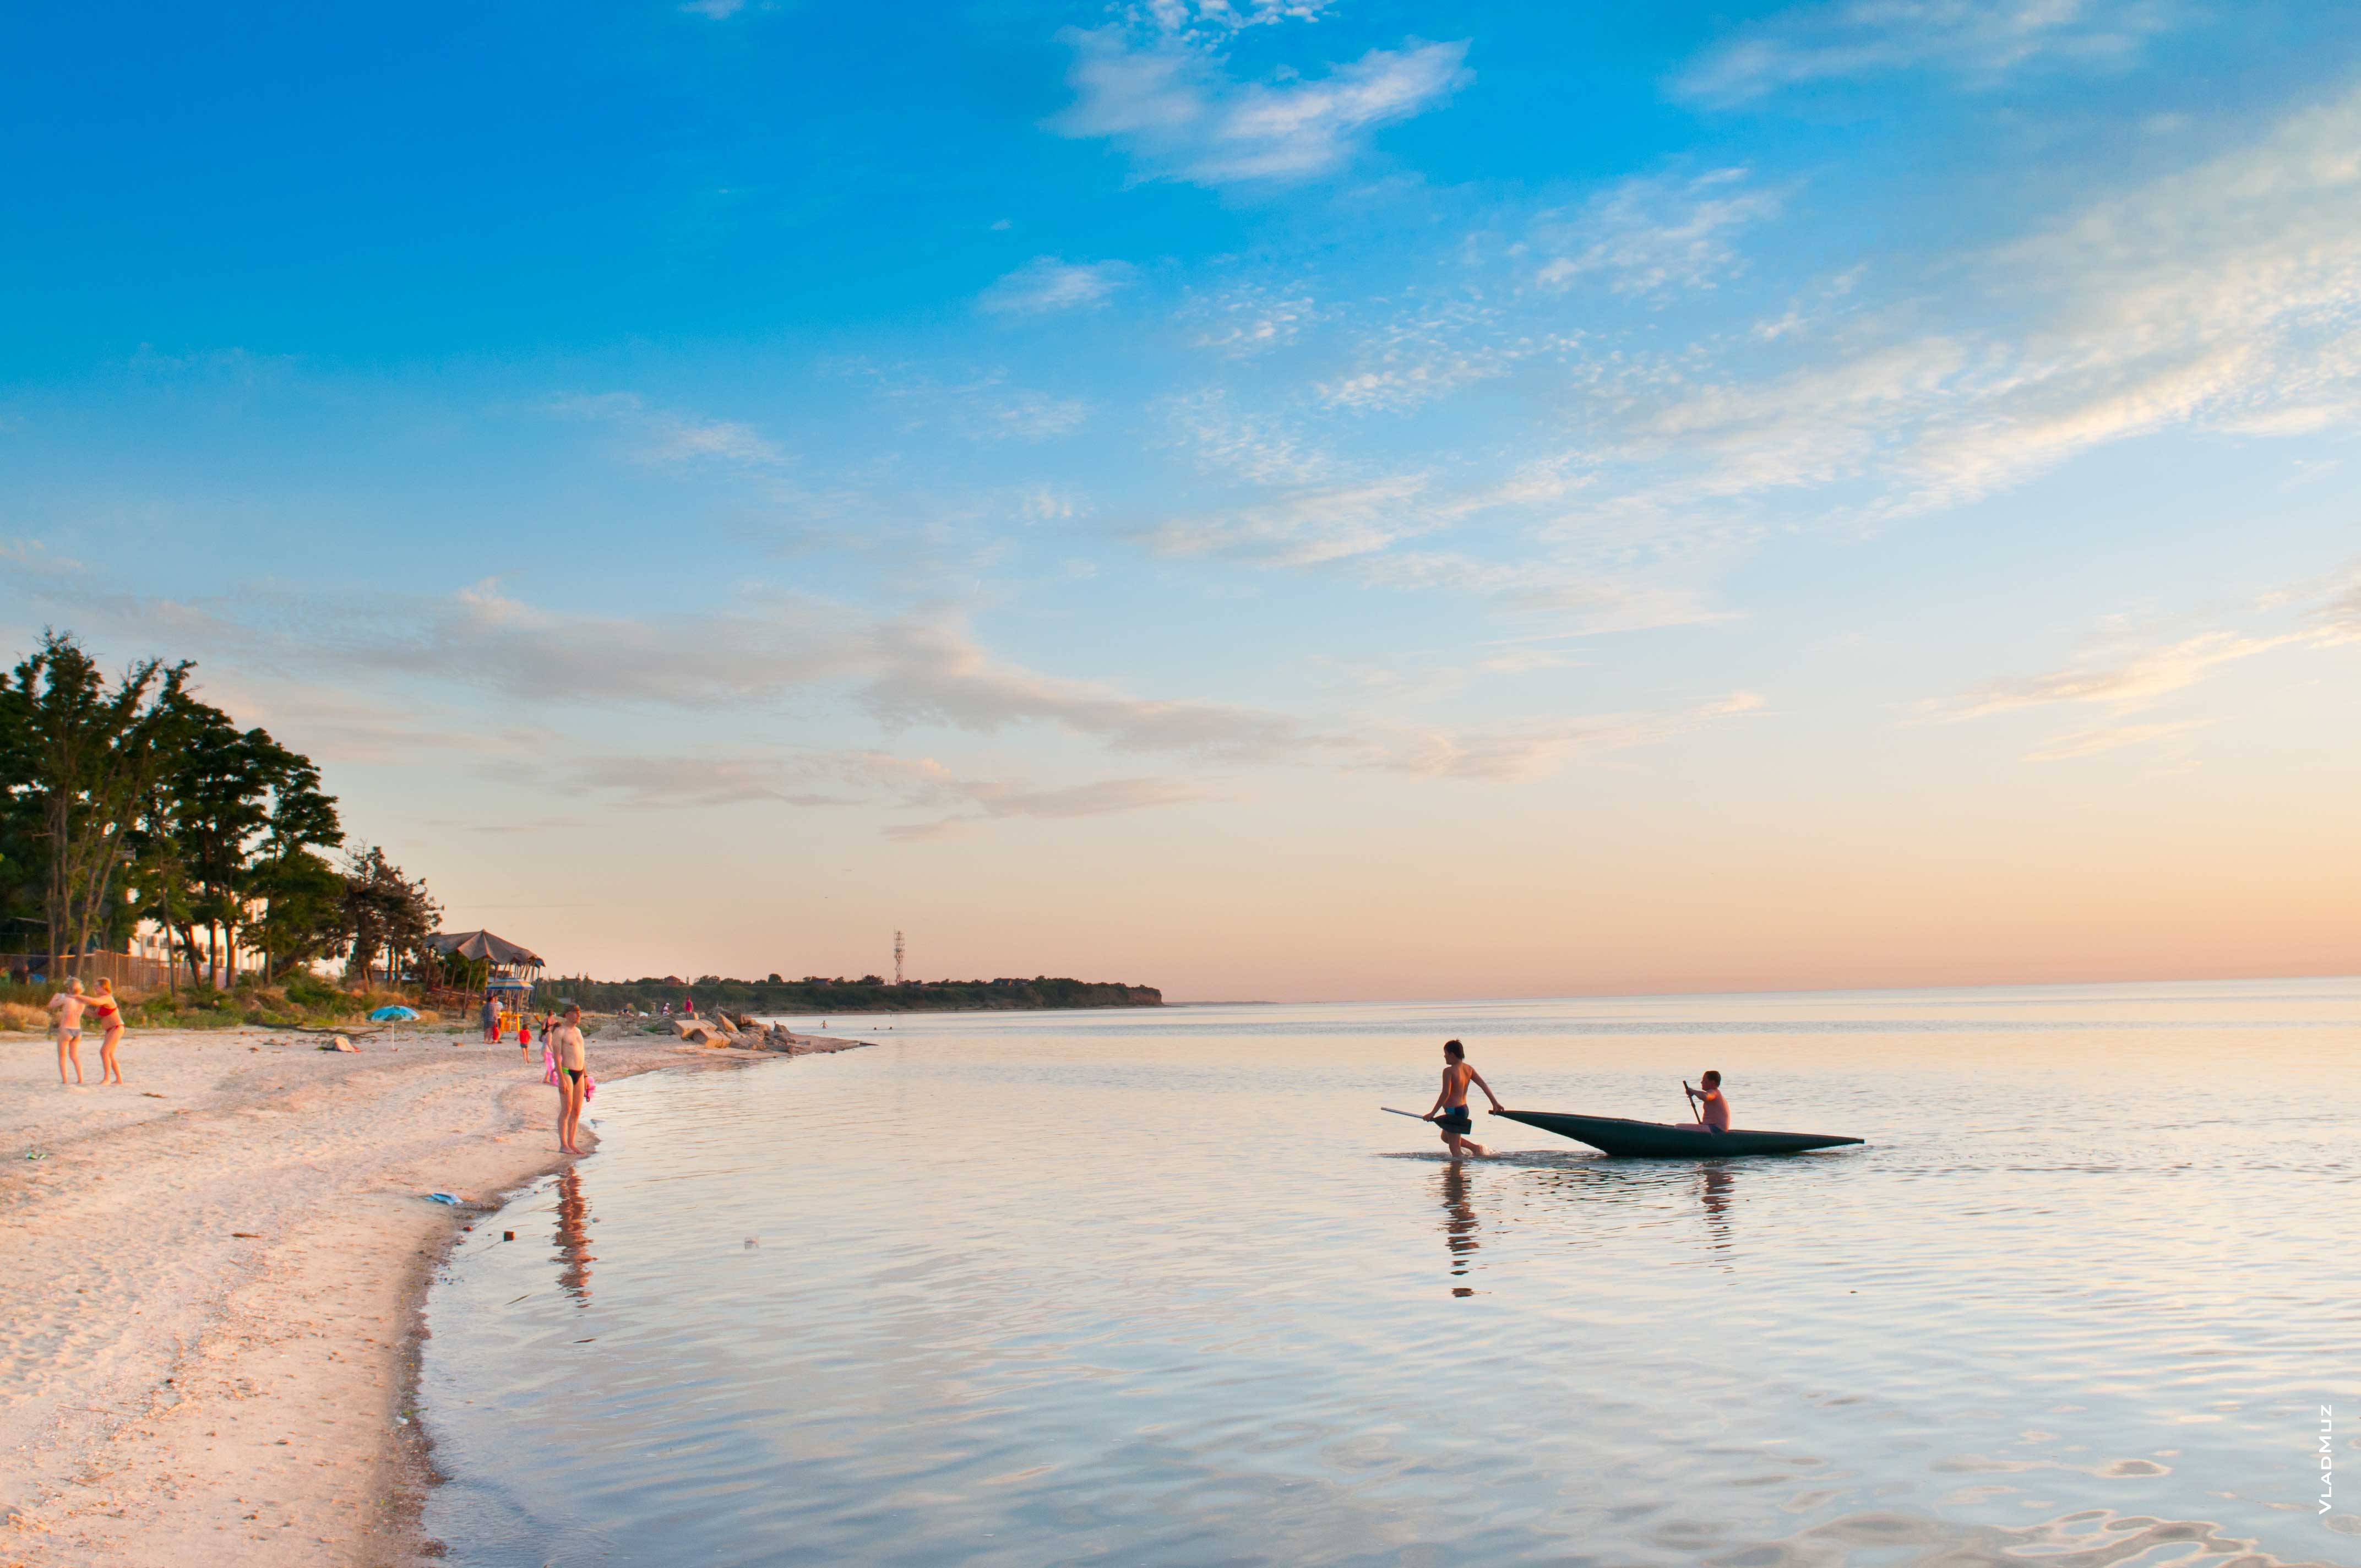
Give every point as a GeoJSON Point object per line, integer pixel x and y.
{"type": "Point", "coordinates": [1450, 1110]}
{"type": "Point", "coordinates": [1712, 1105]}
{"type": "Point", "coordinates": [68, 1005]}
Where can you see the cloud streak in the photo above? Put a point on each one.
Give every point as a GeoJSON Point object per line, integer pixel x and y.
{"type": "Point", "coordinates": [1173, 109]}
{"type": "Point", "coordinates": [1048, 284]}
{"type": "Point", "coordinates": [1977, 42]}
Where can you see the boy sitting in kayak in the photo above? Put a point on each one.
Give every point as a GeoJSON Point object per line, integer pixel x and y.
{"type": "Point", "coordinates": [1712, 1105]}
{"type": "Point", "coordinates": [1450, 1109]}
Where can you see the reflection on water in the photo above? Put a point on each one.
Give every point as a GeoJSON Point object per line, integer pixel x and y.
{"type": "Point", "coordinates": [2016, 1331]}
{"type": "Point", "coordinates": [1458, 1223]}
{"type": "Point", "coordinates": [1716, 1181]}
{"type": "Point", "coordinates": [574, 1252]}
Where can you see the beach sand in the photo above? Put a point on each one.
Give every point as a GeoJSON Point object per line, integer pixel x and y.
{"type": "Point", "coordinates": [209, 1304]}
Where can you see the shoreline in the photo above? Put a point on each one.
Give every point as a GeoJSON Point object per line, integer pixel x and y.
{"type": "Point", "coordinates": [211, 1328]}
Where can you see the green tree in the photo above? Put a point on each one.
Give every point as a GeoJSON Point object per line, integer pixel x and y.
{"type": "Point", "coordinates": [79, 754]}
{"type": "Point", "coordinates": [385, 914]}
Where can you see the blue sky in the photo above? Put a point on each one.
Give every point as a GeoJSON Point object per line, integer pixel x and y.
{"type": "Point", "coordinates": [1301, 499]}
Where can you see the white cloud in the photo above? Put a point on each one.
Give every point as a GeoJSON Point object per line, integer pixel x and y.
{"type": "Point", "coordinates": [669, 436]}
{"type": "Point", "coordinates": [2112, 738]}
{"type": "Point", "coordinates": [1049, 283]}
{"type": "Point", "coordinates": [760, 653]}
{"type": "Point", "coordinates": [950, 801]}
{"type": "Point", "coordinates": [1533, 751]}
{"type": "Point", "coordinates": [1433, 349]}
{"type": "Point", "coordinates": [1034, 416]}
{"type": "Point", "coordinates": [2224, 298]}
{"type": "Point", "coordinates": [1171, 106]}
{"type": "Point", "coordinates": [1256, 448]}
{"type": "Point", "coordinates": [2123, 685]}
{"type": "Point", "coordinates": [1646, 236]}
{"type": "Point", "coordinates": [1214, 20]}
{"type": "Point", "coordinates": [1980, 41]}
{"type": "Point", "coordinates": [1242, 322]}
{"type": "Point", "coordinates": [1305, 527]}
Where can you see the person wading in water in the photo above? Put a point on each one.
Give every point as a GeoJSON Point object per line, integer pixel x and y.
{"type": "Point", "coordinates": [1450, 1112]}
{"type": "Point", "coordinates": [573, 1067]}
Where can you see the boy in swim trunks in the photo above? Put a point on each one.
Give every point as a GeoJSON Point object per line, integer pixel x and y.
{"type": "Point", "coordinates": [1450, 1110]}
{"type": "Point", "coordinates": [68, 1005]}
{"type": "Point", "coordinates": [573, 1066]}
{"type": "Point", "coordinates": [1712, 1105]}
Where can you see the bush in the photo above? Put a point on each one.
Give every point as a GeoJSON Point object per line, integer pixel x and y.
{"type": "Point", "coordinates": [307, 989]}
{"type": "Point", "coordinates": [23, 1015]}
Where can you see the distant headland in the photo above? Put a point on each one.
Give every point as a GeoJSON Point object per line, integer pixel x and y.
{"type": "Point", "coordinates": [870, 993]}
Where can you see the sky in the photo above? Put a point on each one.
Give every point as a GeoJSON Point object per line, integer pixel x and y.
{"type": "Point", "coordinates": [1274, 499]}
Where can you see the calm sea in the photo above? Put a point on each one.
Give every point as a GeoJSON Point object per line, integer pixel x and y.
{"type": "Point", "coordinates": [1168, 1287]}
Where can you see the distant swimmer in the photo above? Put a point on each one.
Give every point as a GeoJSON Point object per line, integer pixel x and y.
{"type": "Point", "coordinates": [1450, 1110]}
{"type": "Point", "coordinates": [1711, 1104]}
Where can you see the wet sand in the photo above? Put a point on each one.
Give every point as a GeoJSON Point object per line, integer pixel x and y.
{"type": "Point", "coordinates": [209, 1313]}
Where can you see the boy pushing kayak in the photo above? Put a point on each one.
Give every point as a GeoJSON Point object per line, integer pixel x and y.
{"type": "Point", "coordinates": [1450, 1109]}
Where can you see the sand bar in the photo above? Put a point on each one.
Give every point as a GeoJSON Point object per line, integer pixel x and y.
{"type": "Point", "coordinates": [209, 1302]}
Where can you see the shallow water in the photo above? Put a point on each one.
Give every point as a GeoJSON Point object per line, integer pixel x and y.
{"type": "Point", "coordinates": [1168, 1287]}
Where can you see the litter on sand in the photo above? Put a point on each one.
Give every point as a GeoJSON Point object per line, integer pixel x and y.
{"type": "Point", "coordinates": [442, 1198]}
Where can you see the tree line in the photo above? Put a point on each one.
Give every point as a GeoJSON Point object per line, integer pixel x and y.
{"type": "Point", "coordinates": [870, 993]}
{"type": "Point", "coordinates": [127, 799]}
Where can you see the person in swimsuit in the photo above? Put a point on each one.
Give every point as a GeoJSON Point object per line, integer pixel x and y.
{"type": "Point", "coordinates": [1450, 1110]}
{"type": "Point", "coordinates": [1712, 1105]}
{"type": "Point", "coordinates": [110, 1019]}
{"type": "Point", "coordinates": [573, 1065]}
{"type": "Point", "coordinates": [68, 1005]}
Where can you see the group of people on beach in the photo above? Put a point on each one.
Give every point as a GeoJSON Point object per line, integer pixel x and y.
{"type": "Point", "coordinates": [1449, 1112]}
{"type": "Point", "coordinates": [72, 1005]}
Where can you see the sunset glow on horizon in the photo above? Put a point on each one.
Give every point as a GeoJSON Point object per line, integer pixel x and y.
{"type": "Point", "coordinates": [1277, 499]}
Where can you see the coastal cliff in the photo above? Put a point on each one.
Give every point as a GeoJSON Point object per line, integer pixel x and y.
{"type": "Point", "coordinates": [868, 994]}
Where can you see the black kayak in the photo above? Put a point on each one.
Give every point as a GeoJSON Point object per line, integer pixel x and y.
{"type": "Point", "coordinates": [1662, 1140]}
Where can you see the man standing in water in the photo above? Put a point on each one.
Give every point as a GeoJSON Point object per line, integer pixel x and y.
{"type": "Point", "coordinates": [1450, 1110]}
{"type": "Point", "coordinates": [573, 1067]}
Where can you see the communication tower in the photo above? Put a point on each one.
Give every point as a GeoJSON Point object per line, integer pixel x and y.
{"type": "Point", "coordinates": [897, 958]}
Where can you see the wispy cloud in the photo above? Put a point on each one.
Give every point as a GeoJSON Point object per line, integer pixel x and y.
{"type": "Point", "coordinates": [1432, 349]}
{"type": "Point", "coordinates": [1530, 752]}
{"type": "Point", "coordinates": [2111, 738]}
{"type": "Point", "coordinates": [1245, 320]}
{"type": "Point", "coordinates": [1304, 528]}
{"type": "Point", "coordinates": [1226, 439]}
{"type": "Point", "coordinates": [2123, 685]}
{"type": "Point", "coordinates": [1979, 42]}
{"type": "Point", "coordinates": [2222, 298]}
{"type": "Point", "coordinates": [920, 668]}
{"type": "Point", "coordinates": [1050, 283]}
{"type": "Point", "coordinates": [673, 435]}
{"type": "Point", "coordinates": [1646, 236]}
{"type": "Point", "coordinates": [1172, 107]}
{"type": "Point", "coordinates": [819, 780]}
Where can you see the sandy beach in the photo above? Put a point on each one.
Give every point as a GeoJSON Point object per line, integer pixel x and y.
{"type": "Point", "coordinates": [209, 1314]}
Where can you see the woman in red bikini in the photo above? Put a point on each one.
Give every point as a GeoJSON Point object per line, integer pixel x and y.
{"type": "Point", "coordinates": [109, 1014]}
